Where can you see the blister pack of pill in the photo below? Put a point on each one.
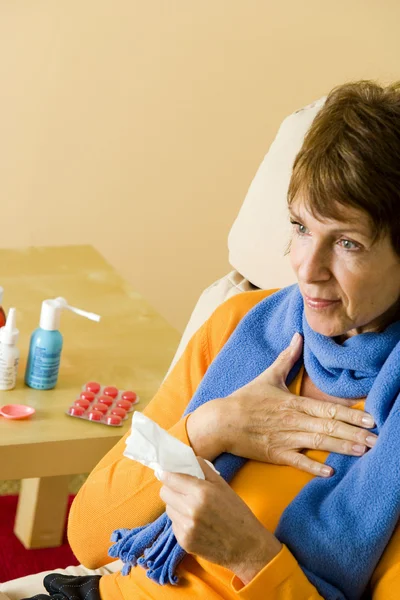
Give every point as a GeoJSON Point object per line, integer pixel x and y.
{"type": "Point", "coordinates": [103, 404]}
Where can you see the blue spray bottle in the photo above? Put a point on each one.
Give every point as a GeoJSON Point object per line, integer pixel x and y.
{"type": "Point", "coordinates": [46, 345]}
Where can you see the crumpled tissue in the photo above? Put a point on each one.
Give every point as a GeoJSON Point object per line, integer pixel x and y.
{"type": "Point", "coordinates": [152, 446]}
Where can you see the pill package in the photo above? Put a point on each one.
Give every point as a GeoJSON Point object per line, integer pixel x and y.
{"type": "Point", "coordinates": [103, 404]}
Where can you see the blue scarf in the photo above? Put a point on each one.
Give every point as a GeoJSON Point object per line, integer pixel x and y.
{"type": "Point", "coordinates": [337, 528]}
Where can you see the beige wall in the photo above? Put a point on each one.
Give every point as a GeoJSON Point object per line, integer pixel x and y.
{"type": "Point", "coordinates": [138, 125]}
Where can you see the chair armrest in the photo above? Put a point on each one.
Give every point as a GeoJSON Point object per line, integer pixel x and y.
{"type": "Point", "coordinates": [231, 284]}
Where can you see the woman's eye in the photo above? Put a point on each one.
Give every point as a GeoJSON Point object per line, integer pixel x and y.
{"type": "Point", "coordinates": [349, 245]}
{"type": "Point", "coordinates": [301, 229]}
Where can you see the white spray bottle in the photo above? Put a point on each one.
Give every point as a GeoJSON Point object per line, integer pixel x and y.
{"type": "Point", "coordinates": [46, 344]}
{"type": "Point", "coordinates": [9, 353]}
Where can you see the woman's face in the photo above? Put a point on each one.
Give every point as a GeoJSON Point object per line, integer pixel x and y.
{"type": "Point", "coordinates": [337, 260]}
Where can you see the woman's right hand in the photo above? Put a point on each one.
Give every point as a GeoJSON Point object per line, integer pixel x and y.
{"type": "Point", "coordinates": [264, 421]}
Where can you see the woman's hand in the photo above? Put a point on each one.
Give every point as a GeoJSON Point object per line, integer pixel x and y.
{"type": "Point", "coordinates": [210, 520]}
{"type": "Point", "coordinates": [264, 421]}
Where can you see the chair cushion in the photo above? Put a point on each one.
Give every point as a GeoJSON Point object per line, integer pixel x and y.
{"type": "Point", "coordinates": [261, 230]}
{"type": "Point", "coordinates": [260, 233]}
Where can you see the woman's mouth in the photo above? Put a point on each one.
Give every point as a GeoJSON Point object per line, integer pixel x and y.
{"type": "Point", "coordinates": [319, 303]}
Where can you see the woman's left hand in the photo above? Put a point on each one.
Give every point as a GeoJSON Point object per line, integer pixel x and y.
{"type": "Point", "coordinates": [210, 520]}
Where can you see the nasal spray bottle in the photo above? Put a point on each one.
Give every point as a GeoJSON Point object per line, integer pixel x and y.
{"type": "Point", "coordinates": [9, 353]}
{"type": "Point", "coordinates": [46, 345]}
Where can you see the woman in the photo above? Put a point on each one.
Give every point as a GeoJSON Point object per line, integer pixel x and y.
{"type": "Point", "coordinates": [343, 201]}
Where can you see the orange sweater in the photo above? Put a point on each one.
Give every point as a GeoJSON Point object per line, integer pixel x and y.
{"type": "Point", "coordinates": [122, 493]}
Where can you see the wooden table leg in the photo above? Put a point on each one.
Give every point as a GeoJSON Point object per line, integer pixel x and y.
{"type": "Point", "coordinates": [41, 511]}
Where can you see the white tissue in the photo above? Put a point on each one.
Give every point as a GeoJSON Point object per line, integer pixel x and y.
{"type": "Point", "coordinates": [152, 446]}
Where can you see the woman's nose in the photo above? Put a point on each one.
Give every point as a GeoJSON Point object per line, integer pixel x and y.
{"type": "Point", "coordinates": [314, 266]}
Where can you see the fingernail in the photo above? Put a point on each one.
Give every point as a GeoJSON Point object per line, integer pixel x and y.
{"type": "Point", "coordinates": [371, 440]}
{"type": "Point", "coordinates": [294, 339]}
{"type": "Point", "coordinates": [359, 449]}
{"type": "Point", "coordinates": [326, 471]}
{"type": "Point", "coordinates": [368, 421]}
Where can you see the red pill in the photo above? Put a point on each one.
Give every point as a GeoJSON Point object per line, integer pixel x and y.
{"type": "Point", "coordinates": [103, 408]}
{"type": "Point", "coordinates": [105, 400]}
{"type": "Point", "coordinates": [83, 403]}
{"type": "Point", "coordinates": [124, 404]}
{"type": "Point", "coordinates": [93, 386]}
{"type": "Point", "coordinates": [76, 411]}
{"type": "Point", "coordinates": [120, 412]}
{"type": "Point", "coordinates": [113, 420]}
{"type": "Point", "coordinates": [88, 396]}
{"type": "Point", "coordinates": [129, 396]}
{"type": "Point", "coordinates": [110, 391]}
{"type": "Point", "coordinates": [95, 415]}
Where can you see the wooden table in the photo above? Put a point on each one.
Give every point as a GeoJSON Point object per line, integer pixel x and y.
{"type": "Point", "coordinates": [130, 348]}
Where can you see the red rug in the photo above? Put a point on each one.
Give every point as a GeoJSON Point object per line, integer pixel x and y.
{"type": "Point", "coordinates": [15, 560]}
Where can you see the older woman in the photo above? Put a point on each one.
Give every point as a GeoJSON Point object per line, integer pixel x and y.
{"type": "Point", "coordinates": [313, 511]}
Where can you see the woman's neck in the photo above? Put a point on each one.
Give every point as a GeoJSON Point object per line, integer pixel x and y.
{"type": "Point", "coordinates": [309, 390]}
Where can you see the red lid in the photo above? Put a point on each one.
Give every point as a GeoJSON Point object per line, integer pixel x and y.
{"type": "Point", "coordinates": [105, 400]}
{"type": "Point", "coordinates": [118, 411]}
{"type": "Point", "coordinates": [93, 386]}
{"type": "Point", "coordinates": [103, 408]}
{"type": "Point", "coordinates": [124, 404]}
{"type": "Point", "coordinates": [83, 403]}
{"type": "Point", "coordinates": [95, 415]}
{"type": "Point", "coordinates": [88, 396]}
{"type": "Point", "coordinates": [130, 396]}
{"type": "Point", "coordinates": [110, 391]}
{"type": "Point", "coordinates": [113, 420]}
{"type": "Point", "coordinates": [76, 411]}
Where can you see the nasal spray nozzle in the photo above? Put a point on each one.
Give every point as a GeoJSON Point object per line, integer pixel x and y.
{"type": "Point", "coordinates": [9, 333]}
{"type": "Point", "coordinates": [46, 344]}
{"type": "Point", "coordinates": [51, 313]}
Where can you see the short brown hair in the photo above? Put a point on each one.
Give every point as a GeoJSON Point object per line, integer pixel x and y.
{"type": "Point", "coordinates": [351, 157]}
